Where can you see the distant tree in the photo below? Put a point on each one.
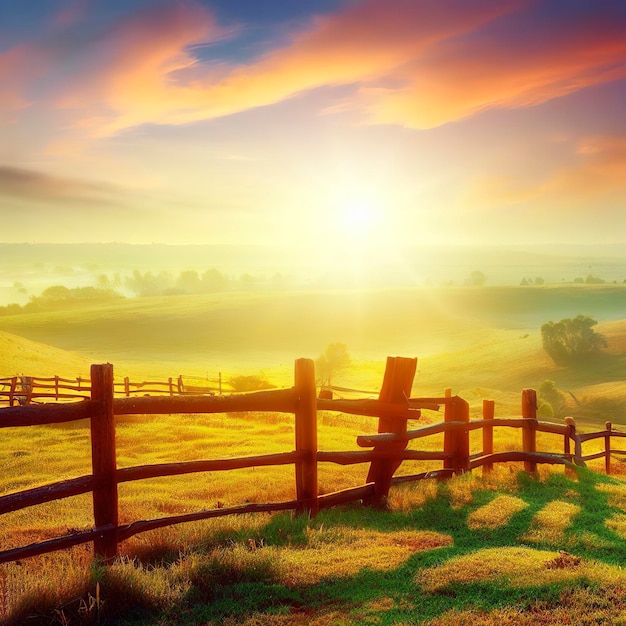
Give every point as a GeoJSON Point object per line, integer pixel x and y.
{"type": "Point", "coordinates": [524, 282]}
{"type": "Point", "coordinates": [477, 278]}
{"type": "Point", "coordinates": [594, 280]}
{"type": "Point", "coordinates": [578, 280]}
{"type": "Point", "coordinates": [549, 394]}
{"type": "Point", "coordinates": [148, 284]}
{"type": "Point", "coordinates": [539, 280]}
{"type": "Point", "coordinates": [189, 282]}
{"type": "Point", "coordinates": [213, 280]}
{"type": "Point", "coordinates": [56, 293]}
{"type": "Point", "coordinates": [334, 359]}
{"type": "Point", "coordinates": [571, 338]}
{"type": "Point", "coordinates": [250, 383]}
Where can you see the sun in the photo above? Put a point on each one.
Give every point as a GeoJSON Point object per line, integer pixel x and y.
{"type": "Point", "coordinates": [359, 218]}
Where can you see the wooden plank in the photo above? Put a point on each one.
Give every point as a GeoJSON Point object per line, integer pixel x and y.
{"type": "Point", "coordinates": [129, 530]}
{"type": "Point", "coordinates": [381, 454]}
{"type": "Point", "coordinates": [306, 436]}
{"type": "Point", "coordinates": [488, 414]}
{"type": "Point", "coordinates": [509, 457]}
{"type": "Point", "coordinates": [46, 493]}
{"type": "Point", "coordinates": [395, 389]}
{"type": "Point", "coordinates": [277, 400]}
{"type": "Point", "coordinates": [595, 455]}
{"type": "Point", "coordinates": [456, 440]}
{"type": "Point", "coordinates": [103, 459]}
{"type": "Point", "coordinates": [352, 494]}
{"type": "Point", "coordinates": [141, 472]}
{"type": "Point", "coordinates": [51, 545]}
{"type": "Point", "coordinates": [436, 474]}
{"type": "Point", "coordinates": [529, 433]}
{"type": "Point", "coordinates": [371, 408]}
{"type": "Point", "coordinates": [41, 414]}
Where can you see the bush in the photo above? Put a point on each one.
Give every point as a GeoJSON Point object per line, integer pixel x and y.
{"type": "Point", "coordinates": [571, 338]}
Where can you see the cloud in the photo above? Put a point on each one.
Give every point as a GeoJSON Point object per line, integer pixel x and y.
{"type": "Point", "coordinates": [511, 65]}
{"type": "Point", "coordinates": [36, 187]}
{"type": "Point", "coordinates": [415, 63]}
{"type": "Point", "coordinates": [594, 176]}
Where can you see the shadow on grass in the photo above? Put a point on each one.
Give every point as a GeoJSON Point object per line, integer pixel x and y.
{"type": "Point", "coordinates": [225, 580]}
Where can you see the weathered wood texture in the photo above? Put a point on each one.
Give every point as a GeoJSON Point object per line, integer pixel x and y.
{"type": "Point", "coordinates": [456, 440]}
{"type": "Point", "coordinates": [488, 415]}
{"type": "Point", "coordinates": [103, 459]}
{"type": "Point", "coordinates": [396, 389]}
{"type": "Point", "coordinates": [306, 435]}
{"type": "Point", "coordinates": [529, 433]}
{"type": "Point", "coordinates": [279, 401]}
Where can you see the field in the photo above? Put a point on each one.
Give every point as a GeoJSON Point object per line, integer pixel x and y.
{"type": "Point", "coordinates": [471, 550]}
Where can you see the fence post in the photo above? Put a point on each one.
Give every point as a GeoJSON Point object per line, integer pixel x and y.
{"type": "Point", "coordinates": [170, 386]}
{"type": "Point", "coordinates": [181, 387]}
{"type": "Point", "coordinates": [572, 434]}
{"type": "Point", "coordinates": [396, 389]}
{"type": "Point", "coordinates": [56, 387]}
{"type": "Point", "coordinates": [12, 391]}
{"type": "Point", "coordinates": [488, 414]}
{"type": "Point", "coordinates": [105, 504]}
{"type": "Point", "coordinates": [306, 436]}
{"type": "Point", "coordinates": [607, 447]}
{"type": "Point", "coordinates": [529, 429]}
{"type": "Point", "coordinates": [456, 442]}
{"type": "Point", "coordinates": [126, 386]}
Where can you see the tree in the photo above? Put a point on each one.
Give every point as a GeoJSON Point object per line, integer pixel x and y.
{"type": "Point", "coordinates": [552, 399]}
{"type": "Point", "coordinates": [334, 359]}
{"type": "Point", "coordinates": [571, 338]}
{"type": "Point", "coordinates": [477, 278]}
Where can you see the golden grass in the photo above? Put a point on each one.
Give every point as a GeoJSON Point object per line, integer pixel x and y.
{"type": "Point", "coordinates": [345, 551]}
{"type": "Point", "coordinates": [617, 494]}
{"type": "Point", "coordinates": [549, 524]}
{"type": "Point", "coordinates": [495, 514]}
{"type": "Point", "coordinates": [514, 567]}
{"type": "Point", "coordinates": [578, 607]}
{"type": "Point", "coordinates": [617, 524]}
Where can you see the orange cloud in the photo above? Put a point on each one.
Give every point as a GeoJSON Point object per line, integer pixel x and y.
{"type": "Point", "coordinates": [140, 81]}
{"type": "Point", "coordinates": [462, 78]}
{"type": "Point", "coordinates": [597, 173]}
{"type": "Point", "coordinates": [415, 63]}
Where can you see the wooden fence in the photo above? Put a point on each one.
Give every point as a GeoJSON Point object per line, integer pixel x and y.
{"type": "Point", "coordinates": [21, 390]}
{"type": "Point", "coordinates": [388, 450]}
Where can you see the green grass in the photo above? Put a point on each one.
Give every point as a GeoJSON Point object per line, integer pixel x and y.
{"type": "Point", "coordinates": [446, 553]}
{"type": "Point", "coordinates": [353, 565]}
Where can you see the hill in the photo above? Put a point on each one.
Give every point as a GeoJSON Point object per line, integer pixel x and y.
{"type": "Point", "coordinates": [22, 356]}
{"type": "Point", "coordinates": [484, 342]}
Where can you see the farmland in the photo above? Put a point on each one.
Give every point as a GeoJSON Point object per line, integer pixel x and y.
{"type": "Point", "coordinates": [484, 343]}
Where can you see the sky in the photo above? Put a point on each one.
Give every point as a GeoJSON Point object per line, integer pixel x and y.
{"type": "Point", "coordinates": [319, 124]}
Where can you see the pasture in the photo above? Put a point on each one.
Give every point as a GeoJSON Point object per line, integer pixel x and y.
{"type": "Point", "coordinates": [473, 549]}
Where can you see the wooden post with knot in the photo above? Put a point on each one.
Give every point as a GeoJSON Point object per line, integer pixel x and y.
{"type": "Point", "coordinates": [396, 389]}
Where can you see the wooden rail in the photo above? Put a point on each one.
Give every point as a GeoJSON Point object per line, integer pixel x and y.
{"type": "Point", "coordinates": [389, 448]}
{"type": "Point", "coordinates": [23, 390]}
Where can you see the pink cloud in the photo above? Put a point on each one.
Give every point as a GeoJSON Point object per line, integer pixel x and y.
{"type": "Point", "coordinates": [415, 63]}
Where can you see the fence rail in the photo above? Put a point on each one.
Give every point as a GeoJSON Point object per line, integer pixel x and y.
{"type": "Point", "coordinates": [23, 390]}
{"type": "Point", "coordinates": [388, 449]}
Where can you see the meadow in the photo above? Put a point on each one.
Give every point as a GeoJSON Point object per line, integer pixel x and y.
{"type": "Point", "coordinates": [474, 549]}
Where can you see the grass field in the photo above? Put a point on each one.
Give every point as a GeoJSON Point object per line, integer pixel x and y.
{"type": "Point", "coordinates": [471, 550]}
